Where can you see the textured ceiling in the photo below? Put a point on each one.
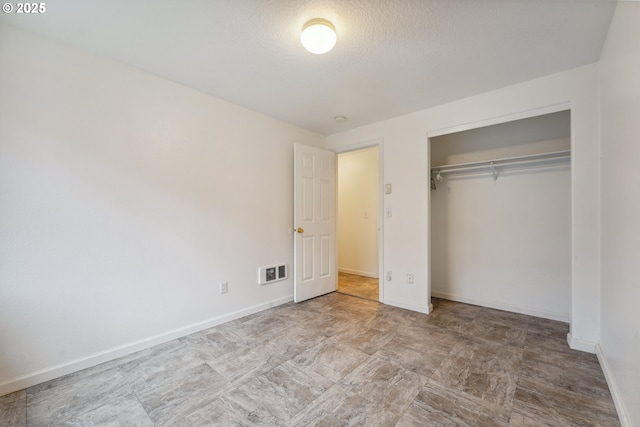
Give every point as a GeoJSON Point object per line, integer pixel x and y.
{"type": "Point", "coordinates": [392, 56]}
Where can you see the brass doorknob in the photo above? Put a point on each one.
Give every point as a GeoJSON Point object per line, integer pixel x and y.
{"type": "Point", "coordinates": [300, 230]}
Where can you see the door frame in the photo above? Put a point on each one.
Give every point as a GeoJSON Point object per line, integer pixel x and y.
{"type": "Point", "coordinates": [377, 142]}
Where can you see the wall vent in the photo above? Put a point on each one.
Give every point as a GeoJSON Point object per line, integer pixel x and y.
{"type": "Point", "coordinates": [272, 273]}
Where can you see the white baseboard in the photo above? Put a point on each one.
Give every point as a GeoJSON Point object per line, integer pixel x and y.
{"type": "Point", "coordinates": [582, 345]}
{"type": "Point", "coordinates": [505, 306]}
{"type": "Point", "coordinates": [426, 309]}
{"type": "Point", "coordinates": [613, 388]}
{"type": "Point", "coordinates": [358, 272]}
{"type": "Point", "coordinates": [57, 371]}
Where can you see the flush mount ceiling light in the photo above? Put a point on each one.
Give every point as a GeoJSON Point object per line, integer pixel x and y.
{"type": "Point", "coordinates": [318, 36]}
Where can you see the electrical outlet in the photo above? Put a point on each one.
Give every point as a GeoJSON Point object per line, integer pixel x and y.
{"type": "Point", "coordinates": [388, 276]}
{"type": "Point", "coordinates": [410, 278]}
{"type": "Point", "coordinates": [224, 287]}
{"type": "Point", "coordinates": [387, 212]}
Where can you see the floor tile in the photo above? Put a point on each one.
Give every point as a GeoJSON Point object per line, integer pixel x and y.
{"type": "Point", "coordinates": [426, 337]}
{"type": "Point", "coordinates": [328, 325]}
{"type": "Point", "coordinates": [547, 342]}
{"type": "Point", "coordinates": [358, 310]}
{"type": "Point", "coordinates": [288, 345]}
{"type": "Point", "coordinates": [447, 306]}
{"type": "Point", "coordinates": [557, 351]}
{"type": "Point", "coordinates": [286, 390]}
{"type": "Point", "coordinates": [358, 314]}
{"type": "Point", "coordinates": [438, 406]}
{"type": "Point", "coordinates": [482, 369]}
{"type": "Point", "coordinates": [75, 395]}
{"type": "Point", "coordinates": [549, 327]}
{"type": "Point", "coordinates": [343, 407]}
{"type": "Point", "coordinates": [154, 351]}
{"type": "Point", "coordinates": [512, 333]}
{"type": "Point", "coordinates": [451, 321]}
{"type": "Point", "coordinates": [385, 383]}
{"type": "Point", "coordinates": [519, 418]}
{"type": "Point", "coordinates": [213, 343]}
{"type": "Point", "coordinates": [124, 411]}
{"type": "Point", "coordinates": [566, 374]}
{"type": "Point", "coordinates": [293, 313]}
{"type": "Point", "coordinates": [173, 384]}
{"type": "Point", "coordinates": [13, 409]}
{"type": "Point", "coordinates": [260, 326]}
{"type": "Point", "coordinates": [363, 338]}
{"type": "Point", "coordinates": [536, 400]}
{"type": "Point", "coordinates": [242, 365]}
{"type": "Point", "coordinates": [415, 355]}
{"type": "Point", "coordinates": [392, 318]}
{"type": "Point", "coordinates": [331, 360]}
{"type": "Point", "coordinates": [506, 318]}
{"type": "Point", "coordinates": [233, 409]}
{"type": "Point", "coordinates": [325, 302]}
{"type": "Point", "coordinates": [338, 360]}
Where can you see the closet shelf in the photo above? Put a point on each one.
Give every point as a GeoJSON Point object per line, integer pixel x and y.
{"type": "Point", "coordinates": [508, 161]}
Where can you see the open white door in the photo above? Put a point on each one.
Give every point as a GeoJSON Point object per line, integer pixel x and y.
{"type": "Point", "coordinates": [314, 216]}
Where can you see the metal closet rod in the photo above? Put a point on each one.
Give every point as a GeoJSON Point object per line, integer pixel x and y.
{"type": "Point", "coordinates": [502, 162]}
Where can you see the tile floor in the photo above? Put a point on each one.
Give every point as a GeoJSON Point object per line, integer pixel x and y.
{"type": "Point", "coordinates": [358, 286]}
{"type": "Point", "coordinates": [333, 361]}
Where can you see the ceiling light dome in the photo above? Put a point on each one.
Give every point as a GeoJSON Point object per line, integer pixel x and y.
{"type": "Point", "coordinates": [318, 36]}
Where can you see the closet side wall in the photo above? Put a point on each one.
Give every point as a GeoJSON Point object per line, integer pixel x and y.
{"type": "Point", "coordinates": [504, 243]}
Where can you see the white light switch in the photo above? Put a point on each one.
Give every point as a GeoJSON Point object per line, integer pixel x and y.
{"type": "Point", "coordinates": [387, 189]}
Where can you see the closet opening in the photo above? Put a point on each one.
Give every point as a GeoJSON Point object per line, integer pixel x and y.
{"type": "Point", "coordinates": [358, 228]}
{"type": "Point", "coordinates": [500, 216]}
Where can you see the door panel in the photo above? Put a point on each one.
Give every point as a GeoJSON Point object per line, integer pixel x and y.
{"type": "Point", "coordinates": [325, 256]}
{"type": "Point", "coordinates": [307, 199]}
{"type": "Point", "coordinates": [314, 216]}
{"type": "Point", "coordinates": [325, 201]}
{"type": "Point", "coordinates": [307, 258]}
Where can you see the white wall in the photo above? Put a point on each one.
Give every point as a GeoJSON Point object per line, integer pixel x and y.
{"type": "Point", "coordinates": [358, 212]}
{"type": "Point", "coordinates": [406, 166]}
{"type": "Point", "coordinates": [504, 244]}
{"type": "Point", "coordinates": [124, 200]}
{"type": "Point", "coordinates": [620, 184]}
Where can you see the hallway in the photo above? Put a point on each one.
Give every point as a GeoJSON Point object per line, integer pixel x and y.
{"type": "Point", "coordinates": [358, 286]}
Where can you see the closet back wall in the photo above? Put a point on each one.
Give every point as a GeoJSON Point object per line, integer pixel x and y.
{"type": "Point", "coordinates": [504, 243]}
